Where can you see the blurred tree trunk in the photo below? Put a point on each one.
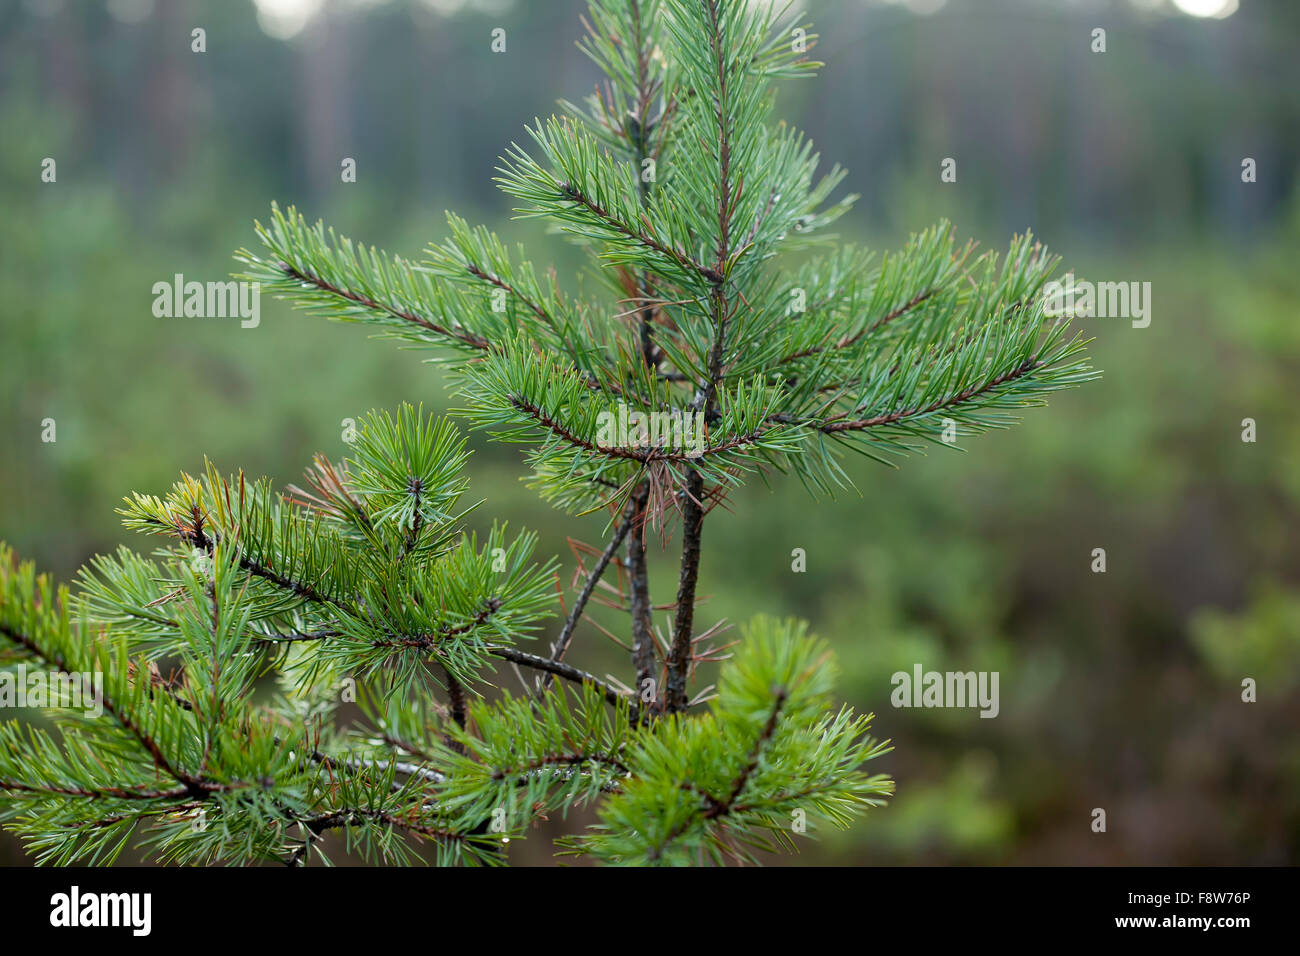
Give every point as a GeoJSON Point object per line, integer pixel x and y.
{"type": "Point", "coordinates": [168, 87]}
{"type": "Point", "coordinates": [325, 109]}
{"type": "Point", "coordinates": [66, 59]}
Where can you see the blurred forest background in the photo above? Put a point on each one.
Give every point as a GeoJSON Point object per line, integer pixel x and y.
{"type": "Point", "coordinates": [1119, 690]}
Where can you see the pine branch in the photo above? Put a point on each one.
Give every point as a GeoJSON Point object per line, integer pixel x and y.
{"type": "Point", "coordinates": [615, 225]}
{"type": "Point", "coordinates": [725, 782]}
{"type": "Point", "coordinates": [56, 661]}
{"type": "Point", "coordinates": [317, 282]}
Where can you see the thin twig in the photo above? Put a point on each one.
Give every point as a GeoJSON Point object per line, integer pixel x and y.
{"type": "Point", "coordinates": [561, 644]}
{"type": "Point", "coordinates": [558, 668]}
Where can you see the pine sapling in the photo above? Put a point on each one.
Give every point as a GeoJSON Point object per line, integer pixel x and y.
{"type": "Point", "coordinates": [727, 336]}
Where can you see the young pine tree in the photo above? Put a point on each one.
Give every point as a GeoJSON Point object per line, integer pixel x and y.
{"type": "Point", "coordinates": [705, 358]}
